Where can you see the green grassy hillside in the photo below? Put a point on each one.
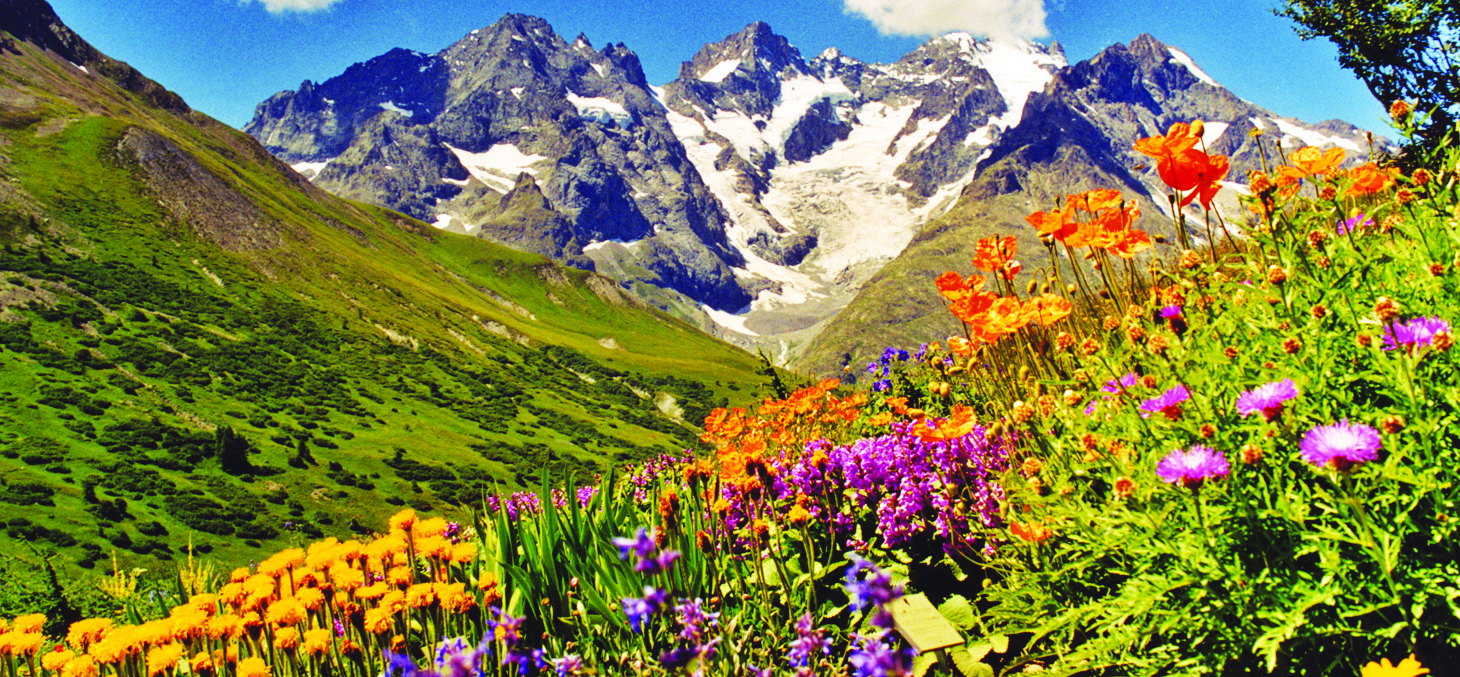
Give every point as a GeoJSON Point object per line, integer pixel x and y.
{"type": "Point", "coordinates": [197, 345]}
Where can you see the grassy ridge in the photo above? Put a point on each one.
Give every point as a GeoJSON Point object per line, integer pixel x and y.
{"type": "Point", "coordinates": [353, 353]}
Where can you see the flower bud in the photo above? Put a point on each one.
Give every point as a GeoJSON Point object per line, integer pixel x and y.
{"type": "Point", "coordinates": [1190, 259]}
{"type": "Point", "coordinates": [1277, 275]}
{"type": "Point", "coordinates": [1386, 309]}
{"type": "Point", "coordinates": [1400, 109]}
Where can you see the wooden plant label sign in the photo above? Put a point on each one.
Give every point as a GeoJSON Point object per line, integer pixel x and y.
{"type": "Point", "coordinates": [915, 618]}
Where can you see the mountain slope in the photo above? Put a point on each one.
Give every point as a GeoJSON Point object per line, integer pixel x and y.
{"type": "Point", "coordinates": [198, 344]}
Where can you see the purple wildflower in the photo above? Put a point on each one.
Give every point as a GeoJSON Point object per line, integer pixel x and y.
{"type": "Point", "coordinates": [399, 665]}
{"type": "Point", "coordinates": [808, 642]}
{"type": "Point", "coordinates": [874, 656]}
{"type": "Point", "coordinates": [695, 623]}
{"type": "Point", "coordinates": [456, 658]}
{"type": "Point", "coordinates": [1343, 444]}
{"type": "Point", "coordinates": [874, 590]}
{"type": "Point", "coordinates": [753, 671]}
{"type": "Point", "coordinates": [881, 384]}
{"type": "Point", "coordinates": [1267, 398]}
{"type": "Point", "coordinates": [1113, 388]}
{"type": "Point", "coordinates": [1192, 467]}
{"type": "Point", "coordinates": [1167, 404]}
{"type": "Point", "coordinates": [528, 661]}
{"type": "Point", "coordinates": [1355, 223]}
{"type": "Point", "coordinates": [1169, 312]}
{"type": "Point", "coordinates": [569, 664]}
{"type": "Point", "coordinates": [639, 609]}
{"type": "Point", "coordinates": [641, 545]}
{"type": "Point", "coordinates": [1417, 333]}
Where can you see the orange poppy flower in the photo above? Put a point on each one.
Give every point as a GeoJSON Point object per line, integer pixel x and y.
{"type": "Point", "coordinates": [958, 424]}
{"type": "Point", "coordinates": [952, 286]}
{"type": "Point", "coordinates": [1309, 161]}
{"type": "Point", "coordinates": [1047, 309]}
{"type": "Point", "coordinates": [1131, 243]}
{"type": "Point", "coordinates": [1033, 532]}
{"type": "Point", "coordinates": [1058, 223]}
{"type": "Point", "coordinates": [1370, 179]}
{"type": "Point", "coordinates": [992, 253]}
{"type": "Point", "coordinates": [1178, 140]}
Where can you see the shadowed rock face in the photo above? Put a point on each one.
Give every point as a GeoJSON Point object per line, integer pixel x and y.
{"type": "Point", "coordinates": [449, 136]}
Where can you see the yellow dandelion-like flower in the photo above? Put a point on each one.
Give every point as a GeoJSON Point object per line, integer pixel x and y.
{"type": "Point", "coordinates": [287, 611]}
{"type": "Point", "coordinates": [28, 623]}
{"type": "Point", "coordinates": [432, 546]}
{"type": "Point", "coordinates": [378, 621]}
{"type": "Point", "coordinates": [286, 639]}
{"type": "Point", "coordinates": [430, 527]}
{"type": "Point", "coordinates": [351, 550]}
{"type": "Point", "coordinates": [83, 632]}
{"type": "Point", "coordinates": [80, 666]}
{"type": "Point", "coordinates": [233, 594]}
{"type": "Point", "coordinates": [239, 575]}
{"type": "Point", "coordinates": [208, 604]}
{"type": "Point", "coordinates": [202, 663]}
{"type": "Point", "coordinates": [345, 577]}
{"type": "Point", "coordinates": [187, 622]}
{"type": "Point", "coordinates": [1409, 667]}
{"type": "Point", "coordinates": [311, 598]}
{"type": "Point", "coordinates": [403, 520]}
{"type": "Point", "coordinates": [227, 626]}
{"type": "Point", "coordinates": [400, 575]}
{"type": "Point", "coordinates": [253, 666]}
{"type": "Point", "coordinates": [53, 661]}
{"type": "Point", "coordinates": [26, 643]}
{"type": "Point", "coordinates": [463, 553]}
{"type": "Point", "coordinates": [323, 553]}
{"type": "Point", "coordinates": [372, 591]}
{"type": "Point", "coordinates": [420, 595]}
{"type": "Point", "coordinates": [317, 641]}
{"type": "Point", "coordinates": [162, 658]}
{"type": "Point", "coordinates": [282, 561]}
{"type": "Point", "coordinates": [394, 600]}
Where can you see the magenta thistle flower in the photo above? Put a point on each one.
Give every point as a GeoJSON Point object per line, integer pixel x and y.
{"type": "Point", "coordinates": [1267, 398]}
{"type": "Point", "coordinates": [1167, 404]}
{"type": "Point", "coordinates": [1168, 312]}
{"type": "Point", "coordinates": [1416, 333]}
{"type": "Point", "coordinates": [1343, 444]}
{"type": "Point", "coordinates": [1192, 467]}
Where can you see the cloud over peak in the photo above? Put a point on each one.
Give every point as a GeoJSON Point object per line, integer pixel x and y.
{"type": "Point", "coordinates": [990, 18]}
{"type": "Point", "coordinates": [281, 6]}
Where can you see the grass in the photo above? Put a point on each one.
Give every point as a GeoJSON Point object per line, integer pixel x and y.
{"type": "Point", "coordinates": [361, 333]}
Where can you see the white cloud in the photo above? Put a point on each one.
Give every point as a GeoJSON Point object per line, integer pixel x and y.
{"type": "Point", "coordinates": [991, 18]}
{"type": "Point", "coordinates": [278, 6]}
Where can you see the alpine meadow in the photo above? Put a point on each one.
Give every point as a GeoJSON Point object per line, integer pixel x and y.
{"type": "Point", "coordinates": [501, 360]}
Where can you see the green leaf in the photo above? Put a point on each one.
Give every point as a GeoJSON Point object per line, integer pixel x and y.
{"type": "Point", "coordinates": [922, 663]}
{"type": "Point", "coordinates": [959, 612]}
{"type": "Point", "coordinates": [968, 665]}
{"type": "Point", "coordinates": [1000, 643]}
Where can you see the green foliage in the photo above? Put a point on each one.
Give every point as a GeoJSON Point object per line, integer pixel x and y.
{"type": "Point", "coordinates": [1406, 51]}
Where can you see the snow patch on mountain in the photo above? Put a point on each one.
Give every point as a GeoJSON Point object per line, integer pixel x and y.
{"type": "Point", "coordinates": [720, 71]}
{"type": "Point", "coordinates": [1313, 137]}
{"type": "Point", "coordinates": [1182, 58]}
{"type": "Point", "coordinates": [601, 109]}
{"type": "Point", "coordinates": [390, 106]}
{"type": "Point", "coordinates": [309, 170]}
{"type": "Point", "coordinates": [1018, 68]}
{"type": "Point", "coordinates": [735, 323]}
{"type": "Point", "coordinates": [498, 166]}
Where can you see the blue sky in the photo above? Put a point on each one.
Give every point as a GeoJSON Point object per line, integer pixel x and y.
{"type": "Point", "coordinates": [225, 56]}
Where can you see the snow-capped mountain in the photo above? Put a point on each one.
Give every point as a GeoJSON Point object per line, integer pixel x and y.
{"type": "Point", "coordinates": [758, 186]}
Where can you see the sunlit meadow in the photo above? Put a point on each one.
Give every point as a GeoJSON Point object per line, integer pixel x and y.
{"type": "Point", "coordinates": [1239, 461]}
